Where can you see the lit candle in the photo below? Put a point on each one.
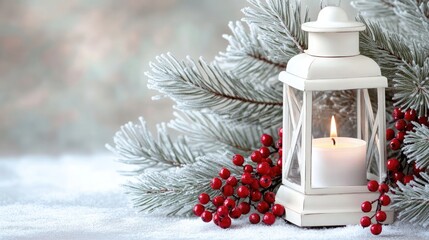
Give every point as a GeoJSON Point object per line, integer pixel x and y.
{"type": "Point", "coordinates": [338, 161]}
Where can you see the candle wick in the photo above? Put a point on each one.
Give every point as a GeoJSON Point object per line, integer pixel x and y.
{"type": "Point", "coordinates": [333, 141]}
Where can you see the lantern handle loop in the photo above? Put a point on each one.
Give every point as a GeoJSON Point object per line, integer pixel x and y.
{"type": "Point", "coordinates": [324, 3]}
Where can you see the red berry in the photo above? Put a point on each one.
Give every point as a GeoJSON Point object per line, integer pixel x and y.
{"type": "Point", "coordinates": [243, 191]}
{"type": "Point", "coordinates": [275, 171]}
{"type": "Point", "coordinates": [248, 168]}
{"type": "Point", "coordinates": [280, 132]}
{"type": "Point", "coordinates": [408, 179]}
{"type": "Point", "coordinates": [216, 219]}
{"type": "Point", "coordinates": [265, 152]}
{"type": "Point", "coordinates": [222, 211]}
{"type": "Point", "coordinates": [390, 134]}
{"type": "Point", "coordinates": [398, 176]}
{"type": "Point", "coordinates": [238, 160]}
{"type": "Point", "coordinates": [206, 216]}
{"type": "Point", "coordinates": [366, 206]}
{"type": "Point", "coordinates": [410, 115]}
{"type": "Point", "coordinates": [409, 127]}
{"type": "Point", "coordinates": [380, 216]}
{"type": "Point", "coordinates": [384, 200]}
{"type": "Point", "coordinates": [269, 197]}
{"type": "Point", "coordinates": [216, 183]}
{"type": "Point", "coordinates": [397, 114]}
{"type": "Point", "coordinates": [269, 218]}
{"type": "Point", "coordinates": [417, 170]}
{"type": "Point", "coordinates": [423, 120]}
{"type": "Point", "coordinates": [280, 152]}
{"type": "Point", "coordinates": [198, 209]}
{"type": "Point", "coordinates": [393, 164]}
{"type": "Point", "coordinates": [395, 144]}
{"type": "Point", "coordinates": [365, 221]}
{"type": "Point", "coordinates": [383, 188]}
{"type": "Point", "coordinates": [376, 228]}
{"type": "Point", "coordinates": [204, 198]}
{"type": "Point", "coordinates": [229, 203]}
{"type": "Point", "coordinates": [256, 156]}
{"type": "Point", "coordinates": [266, 140]}
{"type": "Point", "coordinates": [255, 196]}
{"type": "Point", "coordinates": [244, 207]}
{"type": "Point", "coordinates": [263, 168]}
{"type": "Point", "coordinates": [400, 124]}
{"type": "Point", "coordinates": [225, 222]}
{"type": "Point", "coordinates": [227, 190]}
{"type": "Point", "coordinates": [280, 162]}
{"type": "Point", "coordinates": [278, 210]}
{"type": "Point", "coordinates": [232, 181]}
{"type": "Point", "coordinates": [218, 201]}
{"type": "Point", "coordinates": [254, 218]}
{"type": "Point", "coordinates": [279, 143]}
{"type": "Point", "coordinates": [235, 213]}
{"type": "Point", "coordinates": [224, 173]}
{"type": "Point", "coordinates": [262, 207]}
{"type": "Point", "coordinates": [400, 136]}
{"type": "Point", "coordinates": [267, 160]}
{"type": "Point", "coordinates": [246, 178]}
{"type": "Point", "coordinates": [255, 184]}
{"type": "Point", "coordinates": [265, 181]}
{"type": "Point", "coordinates": [372, 185]}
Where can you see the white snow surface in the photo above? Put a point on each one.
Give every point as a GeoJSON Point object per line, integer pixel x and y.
{"type": "Point", "coordinates": [80, 197]}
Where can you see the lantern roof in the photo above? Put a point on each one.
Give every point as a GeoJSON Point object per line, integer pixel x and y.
{"type": "Point", "coordinates": [333, 19]}
{"type": "Point", "coordinates": [306, 72]}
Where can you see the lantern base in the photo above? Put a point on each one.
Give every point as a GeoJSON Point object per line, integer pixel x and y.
{"type": "Point", "coordinates": [326, 209]}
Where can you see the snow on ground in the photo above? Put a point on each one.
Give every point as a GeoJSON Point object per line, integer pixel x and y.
{"type": "Point", "coordinates": [80, 197]}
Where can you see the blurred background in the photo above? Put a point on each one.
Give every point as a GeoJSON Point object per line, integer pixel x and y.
{"type": "Point", "coordinates": [72, 71]}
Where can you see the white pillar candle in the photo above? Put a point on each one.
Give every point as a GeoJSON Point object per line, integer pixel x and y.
{"type": "Point", "coordinates": [338, 161]}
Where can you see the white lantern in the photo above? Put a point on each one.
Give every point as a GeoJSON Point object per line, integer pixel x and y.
{"type": "Point", "coordinates": [324, 177]}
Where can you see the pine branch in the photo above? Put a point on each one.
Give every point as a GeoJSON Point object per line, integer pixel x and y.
{"type": "Point", "coordinates": [416, 146]}
{"type": "Point", "coordinates": [412, 87]}
{"type": "Point", "coordinates": [246, 57]}
{"type": "Point", "coordinates": [375, 8]}
{"type": "Point", "coordinates": [212, 133]}
{"type": "Point", "coordinates": [175, 191]}
{"type": "Point", "coordinates": [389, 50]}
{"type": "Point", "coordinates": [206, 87]}
{"type": "Point", "coordinates": [408, 17]}
{"type": "Point", "coordinates": [414, 20]}
{"type": "Point", "coordinates": [412, 200]}
{"type": "Point", "coordinates": [278, 24]}
{"type": "Point", "coordinates": [135, 145]}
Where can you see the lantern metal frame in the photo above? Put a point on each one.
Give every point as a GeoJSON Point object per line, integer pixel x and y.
{"type": "Point", "coordinates": [332, 62]}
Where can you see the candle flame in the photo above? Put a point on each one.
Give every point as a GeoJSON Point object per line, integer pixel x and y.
{"type": "Point", "coordinates": [333, 127]}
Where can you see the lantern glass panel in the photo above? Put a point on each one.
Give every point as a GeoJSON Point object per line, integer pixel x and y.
{"type": "Point", "coordinates": [294, 174]}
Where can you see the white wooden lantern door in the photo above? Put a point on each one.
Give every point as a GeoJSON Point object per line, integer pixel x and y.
{"type": "Point", "coordinates": [331, 63]}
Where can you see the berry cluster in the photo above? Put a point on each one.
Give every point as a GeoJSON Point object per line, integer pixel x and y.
{"type": "Point", "coordinates": [402, 173]}
{"type": "Point", "coordinates": [379, 215]}
{"type": "Point", "coordinates": [254, 188]}
{"type": "Point", "coordinates": [403, 122]}
{"type": "Point", "coordinates": [402, 125]}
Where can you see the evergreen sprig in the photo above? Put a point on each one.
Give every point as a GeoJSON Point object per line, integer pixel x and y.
{"type": "Point", "coordinates": [412, 87]}
{"type": "Point", "coordinates": [212, 133]}
{"type": "Point", "coordinates": [175, 191]}
{"type": "Point", "coordinates": [206, 87]}
{"type": "Point", "coordinates": [417, 146]}
{"type": "Point", "coordinates": [135, 145]}
{"type": "Point", "coordinates": [412, 200]}
{"type": "Point", "coordinates": [278, 24]}
{"type": "Point", "coordinates": [246, 57]}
